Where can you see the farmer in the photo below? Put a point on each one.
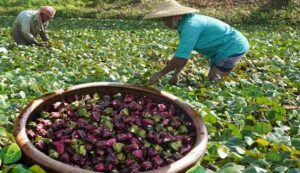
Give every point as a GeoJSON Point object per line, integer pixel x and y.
{"type": "Point", "coordinates": [30, 23]}
{"type": "Point", "coordinates": [221, 44]}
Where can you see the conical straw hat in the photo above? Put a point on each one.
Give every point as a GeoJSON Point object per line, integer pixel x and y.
{"type": "Point", "coordinates": [169, 8]}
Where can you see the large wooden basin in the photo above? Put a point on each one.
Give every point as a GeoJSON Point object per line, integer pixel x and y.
{"type": "Point", "coordinates": [30, 112]}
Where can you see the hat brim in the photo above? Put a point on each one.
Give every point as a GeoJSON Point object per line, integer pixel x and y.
{"type": "Point", "coordinates": [160, 14]}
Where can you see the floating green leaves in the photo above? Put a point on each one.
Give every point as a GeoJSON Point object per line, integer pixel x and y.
{"type": "Point", "coordinates": [252, 117]}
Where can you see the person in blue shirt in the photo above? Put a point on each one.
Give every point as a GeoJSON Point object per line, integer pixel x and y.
{"type": "Point", "coordinates": [223, 45]}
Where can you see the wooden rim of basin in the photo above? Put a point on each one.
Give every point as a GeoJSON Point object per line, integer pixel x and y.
{"type": "Point", "coordinates": [48, 163]}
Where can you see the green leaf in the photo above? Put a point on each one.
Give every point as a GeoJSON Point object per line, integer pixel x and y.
{"type": "Point", "coordinates": [233, 141]}
{"type": "Point", "coordinates": [7, 168]}
{"type": "Point", "coordinates": [229, 168]}
{"type": "Point", "coordinates": [176, 145]}
{"type": "Point", "coordinates": [263, 128]}
{"type": "Point", "coordinates": [36, 169]}
{"type": "Point", "coordinates": [223, 151]}
{"type": "Point", "coordinates": [196, 169]}
{"type": "Point", "coordinates": [236, 157]}
{"type": "Point", "coordinates": [210, 118]}
{"type": "Point", "coordinates": [22, 94]}
{"type": "Point", "coordinates": [262, 142]}
{"type": "Point", "coordinates": [261, 163]}
{"type": "Point", "coordinates": [3, 119]}
{"type": "Point", "coordinates": [12, 154]}
{"type": "Point", "coordinates": [2, 151]}
{"type": "Point", "coordinates": [213, 150]}
{"type": "Point", "coordinates": [254, 169]}
{"type": "Point", "coordinates": [121, 156]}
{"type": "Point", "coordinates": [19, 168]}
{"type": "Point", "coordinates": [262, 100]}
{"type": "Point", "coordinates": [235, 130]}
{"type": "Point", "coordinates": [240, 150]}
{"type": "Point", "coordinates": [82, 150]}
{"type": "Point", "coordinates": [296, 143]}
{"type": "Point", "coordinates": [248, 160]}
{"type": "Point", "coordinates": [294, 170]}
{"type": "Point", "coordinates": [2, 132]}
{"type": "Point", "coordinates": [276, 137]}
{"type": "Point", "coordinates": [249, 141]}
{"type": "Point", "coordinates": [3, 101]}
{"type": "Point", "coordinates": [280, 169]}
{"type": "Point", "coordinates": [118, 147]}
{"type": "Point", "coordinates": [273, 156]}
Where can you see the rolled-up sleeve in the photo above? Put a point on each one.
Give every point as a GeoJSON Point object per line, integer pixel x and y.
{"type": "Point", "coordinates": [187, 40]}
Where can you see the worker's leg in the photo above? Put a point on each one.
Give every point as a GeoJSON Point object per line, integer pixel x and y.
{"type": "Point", "coordinates": [18, 37]}
{"type": "Point", "coordinates": [223, 68]}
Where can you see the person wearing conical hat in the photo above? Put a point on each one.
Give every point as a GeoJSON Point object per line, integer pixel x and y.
{"type": "Point", "coordinates": [223, 45]}
{"type": "Point", "coordinates": [31, 23]}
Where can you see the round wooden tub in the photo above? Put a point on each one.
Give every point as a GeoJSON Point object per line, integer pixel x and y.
{"type": "Point", "coordinates": [35, 156]}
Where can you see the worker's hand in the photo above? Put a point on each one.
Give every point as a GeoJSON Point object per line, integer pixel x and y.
{"type": "Point", "coordinates": [44, 44]}
{"type": "Point", "coordinates": [174, 80]}
{"type": "Point", "coordinates": [49, 43]}
{"type": "Point", "coordinates": [155, 78]}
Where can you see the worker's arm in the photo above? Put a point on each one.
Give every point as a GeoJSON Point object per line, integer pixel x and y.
{"type": "Point", "coordinates": [175, 63]}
